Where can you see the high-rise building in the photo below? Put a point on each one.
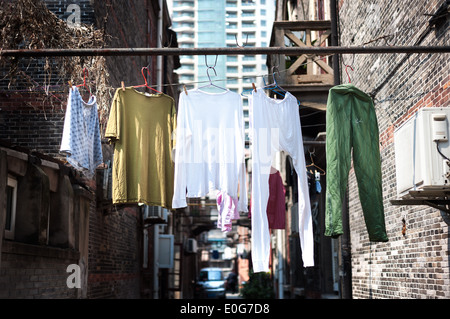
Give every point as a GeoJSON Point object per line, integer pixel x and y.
{"type": "Point", "coordinates": [223, 23]}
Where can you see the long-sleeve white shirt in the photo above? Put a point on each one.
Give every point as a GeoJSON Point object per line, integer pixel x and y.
{"type": "Point", "coordinates": [210, 145]}
{"type": "Point", "coordinates": [275, 126]}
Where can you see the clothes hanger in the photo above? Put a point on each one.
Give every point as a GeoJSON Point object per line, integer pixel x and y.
{"type": "Point", "coordinates": [249, 90]}
{"type": "Point", "coordinates": [274, 87]}
{"type": "Point", "coordinates": [146, 83]}
{"type": "Point", "coordinates": [215, 73]}
{"type": "Point", "coordinates": [322, 172]}
{"type": "Point", "coordinates": [85, 75]}
{"type": "Point", "coordinates": [348, 66]}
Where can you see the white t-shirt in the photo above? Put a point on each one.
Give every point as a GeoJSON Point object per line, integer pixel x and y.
{"type": "Point", "coordinates": [210, 144]}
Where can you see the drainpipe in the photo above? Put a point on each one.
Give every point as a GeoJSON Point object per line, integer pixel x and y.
{"type": "Point", "coordinates": [159, 88]}
{"type": "Point", "coordinates": [156, 262]}
{"type": "Point", "coordinates": [280, 245]}
{"type": "Point", "coordinates": [159, 41]}
{"type": "Point", "coordinates": [345, 260]}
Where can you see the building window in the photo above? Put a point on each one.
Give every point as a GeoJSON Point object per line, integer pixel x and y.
{"type": "Point", "coordinates": [249, 79]}
{"type": "Point", "coordinates": [232, 58]}
{"type": "Point", "coordinates": [11, 200]}
{"type": "Point", "coordinates": [232, 69]}
{"type": "Point", "coordinates": [248, 2]}
{"type": "Point", "coordinates": [248, 13]}
{"type": "Point", "coordinates": [249, 35]}
{"type": "Point", "coordinates": [188, 67]}
{"type": "Point", "coordinates": [186, 78]}
{"type": "Point", "coordinates": [249, 68]}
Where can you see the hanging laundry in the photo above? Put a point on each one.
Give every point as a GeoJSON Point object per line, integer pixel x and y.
{"type": "Point", "coordinates": [141, 127]}
{"type": "Point", "coordinates": [276, 127]}
{"type": "Point", "coordinates": [276, 205]}
{"type": "Point", "coordinates": [317, 182]}
{"type": "Point", "coordinates": [228, 211]}
{"type": "Point", "coordinates": [352, 123]}
{"type": "Point", "coordinates": [210, 148]}
{"type": "Point", "coordinates": [81, 141]}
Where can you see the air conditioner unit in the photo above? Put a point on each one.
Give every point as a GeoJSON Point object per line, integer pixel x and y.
{"type": "Point", "coordinates": [155, 215]}
{"type": "Point", "coordinates": [422, 152]}
{"type": "Point", "coordinates": [191, 246]}
{"type": "Point", "coordinates": [153, 212]}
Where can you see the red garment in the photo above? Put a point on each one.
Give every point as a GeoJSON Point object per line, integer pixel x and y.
{"type": "Point", "coordinates": [276, 208]}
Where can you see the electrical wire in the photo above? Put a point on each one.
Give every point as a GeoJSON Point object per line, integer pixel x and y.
{"type": "Point", "coordinates": [439, 151]}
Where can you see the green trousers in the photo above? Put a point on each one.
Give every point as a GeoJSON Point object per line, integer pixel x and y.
{"type": "Point", "coordinates": [352, 125]}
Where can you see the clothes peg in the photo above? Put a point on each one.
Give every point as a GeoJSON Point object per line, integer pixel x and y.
{"type": "Point", "coordinates": [123, 86]}
{"type": "Point", "coordinates": [254, 87]}
{"type": "Point", "coordinates": [70, 84]}
{"type": "Point", "coordinates": [185, 91]}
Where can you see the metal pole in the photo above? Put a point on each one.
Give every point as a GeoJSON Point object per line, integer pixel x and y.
{"type": "Point", "coordinates": [334, 40]}
{"type": "Point", "coordinates": [293, 51]}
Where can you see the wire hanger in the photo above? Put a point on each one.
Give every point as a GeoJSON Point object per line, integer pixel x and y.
{"type": "Point", "coordinates": [146, 83]}
{"type": "Point", "coordinates": [274, 87]}
{"type": "Point", "coordinates": [215, 73]}
{"type": "Point", "coordinates": [85, 75]}
{"type": "Point", "coordinates": [322, 172]}
{"type": "Point", "coordinates": [244, 44]}
{"type": "Point", "coordinates": [346, 71]}
{"type": "Point", "coordinates": [348, 66]}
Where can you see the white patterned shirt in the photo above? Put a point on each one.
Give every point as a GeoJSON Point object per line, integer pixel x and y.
{"type": "Point", "coordinates": [81, 140]}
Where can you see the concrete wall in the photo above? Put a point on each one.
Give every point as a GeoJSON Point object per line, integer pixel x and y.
{"type": "Point", "coordinates": [414, 265]}
{"type": "Point", "coordinates": [48, 237]}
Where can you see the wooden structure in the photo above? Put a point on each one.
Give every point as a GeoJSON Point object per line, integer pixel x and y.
{"type": "Point", "coordinates": [307, 76]}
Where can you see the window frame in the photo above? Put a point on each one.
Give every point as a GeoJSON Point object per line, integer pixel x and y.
{"type": "Point", "coordinates": [9, 233]}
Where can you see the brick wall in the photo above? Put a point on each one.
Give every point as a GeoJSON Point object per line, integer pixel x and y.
{"type": "Point", "coordinates": [115, 254]}
{"type": "Point", "coordinates": [126, 22]}
{"type": "Point", "coordinates": [66, 9]}
{"type": "Point", "coordinates": [35, 121]}
{"type": "Point", "coordinates": [30, 271]}
{"type": "Point", "coordinates": [415, 265]}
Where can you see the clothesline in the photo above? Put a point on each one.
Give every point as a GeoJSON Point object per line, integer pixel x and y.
{"type": "Point", "coordinates": [225, 51]}
{"type": "Point", "coordinates": [46, 88]}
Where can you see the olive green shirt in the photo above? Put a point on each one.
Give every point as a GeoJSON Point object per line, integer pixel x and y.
{"type": "Point", "coordinates": [141, 126]}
